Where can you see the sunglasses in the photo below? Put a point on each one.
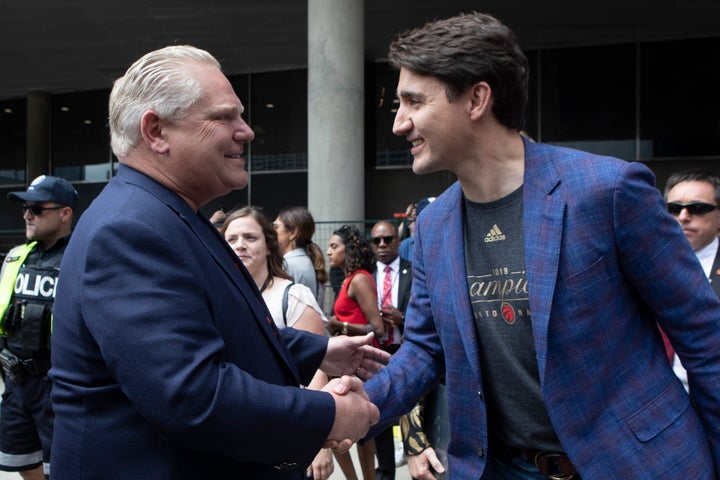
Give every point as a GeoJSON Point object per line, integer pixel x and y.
{"type": "Point", "coordinates": [37, 209]}
{"type": "Point", "coordinates": [388, 239]}
{"type": "Point", "coordinates": [695, 208]}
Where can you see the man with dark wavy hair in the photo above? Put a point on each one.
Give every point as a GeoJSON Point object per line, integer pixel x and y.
{"type": "Point", "coordinates": [539, 279]}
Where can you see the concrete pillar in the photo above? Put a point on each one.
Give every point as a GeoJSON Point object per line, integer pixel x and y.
{"type": "Point", "coordinates": [38, 135]}
{"type": "Point", "coordinates": [336, 165]}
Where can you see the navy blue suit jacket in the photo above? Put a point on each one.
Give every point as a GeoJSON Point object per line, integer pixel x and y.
{"type": "Point", "coordinates": [605, 264]}
{"type": "Point", "coordinates": [165, 362]}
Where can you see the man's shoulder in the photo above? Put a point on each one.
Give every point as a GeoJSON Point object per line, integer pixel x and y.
{"type": "Point", "coordinates": [568, 160]}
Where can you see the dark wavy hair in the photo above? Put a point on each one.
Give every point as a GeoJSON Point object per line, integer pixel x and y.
{"type": "Point", "coordinates": [464, 50]}
{"type": "Point", "coordinates": [299, 219]}
{"type": "Point", "coordinates": [275, 258]}
{"type": "Point", "coordinates": [358, 252]}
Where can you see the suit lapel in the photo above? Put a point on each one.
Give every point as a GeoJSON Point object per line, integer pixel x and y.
{"type": "Point", "coordinates": [221, 253]}
{"type": "Point", "coordinates": [715, 274]}
{"type": "Point", "coordinates": [453, 264]}
{"type": "Point", "coordinates": [236, 271]}
{"type": "Point", "coordinates": [404, 284]}
{"type": "Point", "coordinates": [543, 215]}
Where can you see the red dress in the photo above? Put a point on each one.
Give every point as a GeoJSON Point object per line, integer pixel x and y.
{"type": "Point", "coordinates": [348, 310]}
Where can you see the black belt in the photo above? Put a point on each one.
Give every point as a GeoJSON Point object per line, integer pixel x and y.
{"type": "Point", "coordinates": [554, 465]}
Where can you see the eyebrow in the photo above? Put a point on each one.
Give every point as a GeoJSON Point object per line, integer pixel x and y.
{"type": "Point", "coordinates": [228, 108]}
{"type": "Point", "coordinates": [409, 93]}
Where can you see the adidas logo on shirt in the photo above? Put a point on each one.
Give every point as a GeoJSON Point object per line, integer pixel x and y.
{"type": "Point", "coordinates": [494, 235]}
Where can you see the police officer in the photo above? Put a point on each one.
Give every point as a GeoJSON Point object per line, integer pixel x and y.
{"type": "Point", "coordinates": [27, 291]}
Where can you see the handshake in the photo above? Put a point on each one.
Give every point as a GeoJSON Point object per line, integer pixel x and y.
{"type": "Point", "coordinates": [354, 413]}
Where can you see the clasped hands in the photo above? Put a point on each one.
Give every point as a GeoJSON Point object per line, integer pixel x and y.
{"type": "Point", "coordinates": [354, 359]}
{"type": "Point", "coordinates": [391, 316]}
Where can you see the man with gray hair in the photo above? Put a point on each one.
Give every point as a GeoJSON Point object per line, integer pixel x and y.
{"type": "Point", "coordinates": [166, 363]}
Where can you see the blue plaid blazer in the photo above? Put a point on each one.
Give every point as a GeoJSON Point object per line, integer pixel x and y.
{"type": "Point", "coordinates": [605, 265]}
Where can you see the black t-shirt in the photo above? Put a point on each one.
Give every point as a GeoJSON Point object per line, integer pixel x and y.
{"type": "Point", "coordinates": [495, 258]}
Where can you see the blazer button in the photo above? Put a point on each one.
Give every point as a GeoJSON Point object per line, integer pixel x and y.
{"type": "Point", "coordinates": [480, 452]}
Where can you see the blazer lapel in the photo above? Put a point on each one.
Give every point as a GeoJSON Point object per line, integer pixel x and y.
{"type": "Point", "coordinates": [221, 253]}
{"type": "Point", "coordinates": [233, 267]}
{"type": "Point", "coordinates": [715, 274]}
{"type": "Point", "coordinates": [543, 215]}
{"type": "Point", "coordinates": [404, 284]}
{"type": "Point", "coordinates": [453, 264]}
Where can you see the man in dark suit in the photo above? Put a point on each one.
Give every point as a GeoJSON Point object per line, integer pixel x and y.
{"type": "Point", "coordinates": [539, 279]}
{"type": "Point", "coordinates": [393, 277]}
{"type": "Point", "coordinates": [692, 198]}
{"type": "Point", "coordinates": [166, 363]}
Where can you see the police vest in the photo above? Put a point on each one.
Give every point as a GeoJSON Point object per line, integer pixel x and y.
{"type": "Point", "coordinates": [13, 261]}
{"type": "Point", "coordinates": [27, 319]}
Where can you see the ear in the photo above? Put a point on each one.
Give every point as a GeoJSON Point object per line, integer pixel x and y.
{"type": "Point", "coordinates": [66, 214]}
{"type": "Point", "coordinates": [480, 100]}
{"type": "Point", "coordinates": [151, 127]}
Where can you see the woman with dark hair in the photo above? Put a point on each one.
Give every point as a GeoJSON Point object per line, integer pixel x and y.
{"type": "Point", "coordinates": [251, 235]}
{"type": "Point", "coordinates": [355, 313]}
{"type": "Point", "coordinates": [304, 260]}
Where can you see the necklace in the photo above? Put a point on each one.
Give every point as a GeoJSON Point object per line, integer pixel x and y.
{"type": "Point", "coordinates": [267, 282]}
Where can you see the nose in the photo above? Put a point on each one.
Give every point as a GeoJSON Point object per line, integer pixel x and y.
{"type": "Point", "coordinates": [402, 123]}
{"type": "Point", "coordinates": [27, 214]}
{"type": "Point", "coordinates": [684, 215]}
{"type": "Point", "coordinates": [244, 133]}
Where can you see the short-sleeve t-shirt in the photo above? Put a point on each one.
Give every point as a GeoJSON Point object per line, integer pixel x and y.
{"type": "Point", "coordinates": [495, 260]}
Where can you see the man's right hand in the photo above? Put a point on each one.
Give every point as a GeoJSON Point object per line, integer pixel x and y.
{"type": "Point", "coordinates": [423, 465]}
{"type": "Point", "coordinates": [354, 413]}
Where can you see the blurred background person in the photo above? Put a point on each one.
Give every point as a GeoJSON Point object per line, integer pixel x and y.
{"type": "Point", "coordinates": [218, 218]}
{"type": "Point", "coordinates": [693, 197]}
{"type": "Point", "coordinates": [304, 260]}
{"type": "Point", "coordinates": [252, 237]}
{"type": "Point", "coordinates": [355, 313]}
{"type": "Point", "coordinates": [426, 436]}
{"type": "Point", "coordinates": [26, 417]}
{"type": "Point", "coordinates": [408, 242]}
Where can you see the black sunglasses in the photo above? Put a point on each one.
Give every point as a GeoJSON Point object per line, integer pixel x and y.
{"type": "Point", "coordinates": [695, 208]}
{"type": "Point", "coordinates": [37, 209]}
{"type": "Point", "coordinates": [388, 239]}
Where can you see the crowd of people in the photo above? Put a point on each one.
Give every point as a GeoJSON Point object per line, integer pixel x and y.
{"type": "Point", "coordinates": [550, 314]}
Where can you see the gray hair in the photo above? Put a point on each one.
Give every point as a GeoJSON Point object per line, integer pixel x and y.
{"type": "Point", "coordinates": [158, 81]}
{"type": "Point", "coordinates": [694, 175]}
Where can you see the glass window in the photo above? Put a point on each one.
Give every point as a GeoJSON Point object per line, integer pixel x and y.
{"type": "Point", "coordinates": [278, 116]}
{"type": "Point", "coordinates": [588, 99]}
{"type": "Point", "coordinates": [390, 150]}
{"type": "Point", "coordinates": [80, 137]}
{"type": "Point", "coordinates": [13, 124]}
{"type": "Point", "coordinates": [680, 99]}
